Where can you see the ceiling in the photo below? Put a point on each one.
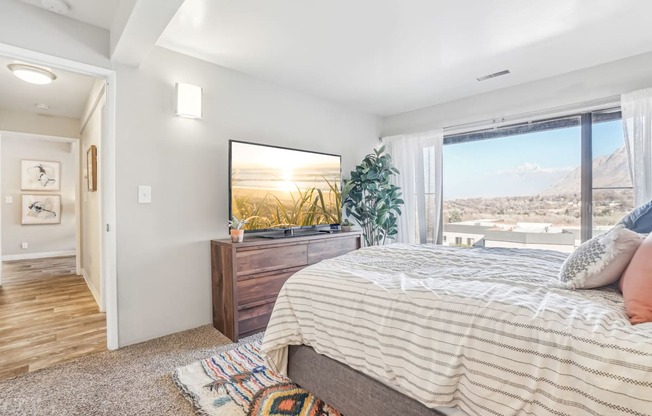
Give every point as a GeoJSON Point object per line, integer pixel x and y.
{"type": "Point", "coordinates": [98, 13]}
{"type": "Point", "coordinates": [388, 56]}
{"type": "Point", "coordinates": [391, 56]}
{"type": "Point", "coordinates": [66, 96]}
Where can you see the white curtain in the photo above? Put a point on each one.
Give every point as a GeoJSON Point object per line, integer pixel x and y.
{"type": "Point", "coordinates": [637, 124]}
{"type": "Point", "coordinates": [418, 157]}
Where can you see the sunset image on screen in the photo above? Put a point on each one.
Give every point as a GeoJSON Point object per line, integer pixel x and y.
{"type": "Point", "coordinates": [283, 188]}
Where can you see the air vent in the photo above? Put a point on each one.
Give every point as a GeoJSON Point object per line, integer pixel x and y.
{"type": "Point", "coordinates": [494, 75]}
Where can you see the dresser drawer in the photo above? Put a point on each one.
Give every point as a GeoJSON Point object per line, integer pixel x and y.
{"type": "Point", "coordinates": [271, 258]}
{"type": "Point", "coordinates": [254, 319]}
{"type": "Point", "coordinates": [321, 250]}
{"type": "Point", "coordinates": [246, 277]}
{"type": "Point", "coordinates": [256, 289]}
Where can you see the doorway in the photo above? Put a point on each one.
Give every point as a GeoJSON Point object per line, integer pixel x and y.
{"type": "Point", "coordinates": [49, 313]}
{"type": "Point", "coordinates": [105, 180]}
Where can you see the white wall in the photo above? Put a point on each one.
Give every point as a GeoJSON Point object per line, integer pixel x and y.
{"type": "Point", "coordinates": [163, 247]}
{"type": "Point", "coordinates": [29, 27]}
{"type": "Point", "coordinates": [588, 84]}
{"type": "Point", "coordinates": [46, 238]}
{"type": "Point", "coordinates": [38, 124]}
{"type": "Point", "coordinates": [90, 201]}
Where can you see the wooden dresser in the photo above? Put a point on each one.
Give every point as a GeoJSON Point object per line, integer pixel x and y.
{"type": "Point", "coordinates": [247, 276]}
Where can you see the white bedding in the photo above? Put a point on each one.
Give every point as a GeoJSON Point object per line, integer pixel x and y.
{"type": "Point", "coordinates": [470, 327]}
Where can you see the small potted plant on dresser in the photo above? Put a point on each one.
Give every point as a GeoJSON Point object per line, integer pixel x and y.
{"type": "Point", "coordinates": [346, 225]}
{"type": "Point", "coordinates": [237, 229]}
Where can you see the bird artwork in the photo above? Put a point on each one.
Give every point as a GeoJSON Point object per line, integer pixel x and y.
{"type": "Point", "coordinates": [40, 175]}
{"type": "Point", "coordinates": [44, 177]}
{"type": "Point", "coordinates": [41, 209]}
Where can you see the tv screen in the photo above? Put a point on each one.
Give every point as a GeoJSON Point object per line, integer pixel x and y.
{"type": "Point", "coordinates": [281, 188]}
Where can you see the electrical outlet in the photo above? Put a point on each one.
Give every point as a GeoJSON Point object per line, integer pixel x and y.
{"type": "Point", "coordinates": [9, 199]}
{"type": "Point", "coordinates": [23, 245]}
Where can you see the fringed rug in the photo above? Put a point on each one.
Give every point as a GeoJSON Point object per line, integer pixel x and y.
{"type": "Point", "coordinates": [237, 383]}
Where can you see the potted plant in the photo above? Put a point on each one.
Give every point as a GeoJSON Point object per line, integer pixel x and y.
{"type": "Point", "coordinates": [372, 200]}
{"type": "Point", "coordinates": [237, 229]}
{"type": "Point", "coordinates": [346, 225]}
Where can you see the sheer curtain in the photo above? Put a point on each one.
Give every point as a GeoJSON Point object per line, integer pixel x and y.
{"type": "Point", "coordinates": [418, 157]}
{"type": "Point", "coordinates": [637, 124]}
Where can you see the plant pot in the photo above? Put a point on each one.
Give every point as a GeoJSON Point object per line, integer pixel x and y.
{"type": "Point", "coordinates": [346, 228]}
{"type": "Point", "coordinates": [237, 236]}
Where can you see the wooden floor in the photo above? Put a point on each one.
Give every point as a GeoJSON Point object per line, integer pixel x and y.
{"type": "Point", "coordinates": [47, 316]}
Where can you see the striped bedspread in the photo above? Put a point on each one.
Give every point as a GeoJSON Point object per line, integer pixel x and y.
{"type": "Point", "coordinates": [476, 328]}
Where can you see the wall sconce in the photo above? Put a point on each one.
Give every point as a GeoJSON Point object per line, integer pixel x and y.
{"type": "Point", "coordinates": [188, 100]}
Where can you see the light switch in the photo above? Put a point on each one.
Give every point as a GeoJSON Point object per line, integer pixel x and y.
{"type": "Point", "coordinates": [144, 194]}
{"type": "Point", "coordinates": [9, 199]}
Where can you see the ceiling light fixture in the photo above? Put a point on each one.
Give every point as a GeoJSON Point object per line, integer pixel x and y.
{"type": "Point", "coordinates": [32, 74]}
{"type": "Point", "coordinates": [494, 75]}
{"type": "Point", "coordinates": [42, 106]}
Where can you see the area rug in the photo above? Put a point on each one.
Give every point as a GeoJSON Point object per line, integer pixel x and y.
{"type": "Point", "coordinates": [237, 383]}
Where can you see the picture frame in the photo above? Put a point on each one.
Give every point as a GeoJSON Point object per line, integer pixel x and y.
{"type": "Point", "coordinates": [91, 168]}
{"type": "Point", "coordinates": [41, 209]}
{"type": "Point", "coordinates": [40, 175]}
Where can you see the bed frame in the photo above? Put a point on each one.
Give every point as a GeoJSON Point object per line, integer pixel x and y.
{"type": "Point", "coordinates": [349, 391]}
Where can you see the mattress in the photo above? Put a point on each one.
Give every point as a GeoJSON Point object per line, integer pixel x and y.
{"type": "Point", "coordinates": [478, 328]}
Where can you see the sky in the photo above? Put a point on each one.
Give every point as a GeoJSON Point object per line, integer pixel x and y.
{"type": "Point", "coordinates": [521, 165]}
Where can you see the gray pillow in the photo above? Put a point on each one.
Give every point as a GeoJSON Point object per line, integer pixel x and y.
{"type": "Point", "coordinates": [601, 260]}
{"type": "Point", "coordinates": [640, 219]}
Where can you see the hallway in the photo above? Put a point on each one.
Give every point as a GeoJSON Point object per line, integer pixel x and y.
{"type": "Point", "coordinates": [47, 316]}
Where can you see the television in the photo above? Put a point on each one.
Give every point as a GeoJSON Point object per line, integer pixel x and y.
{"type": "Point", "coordinates": [282, 189]}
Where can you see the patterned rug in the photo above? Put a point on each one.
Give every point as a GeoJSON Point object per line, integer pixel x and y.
{"type": "Point", "coordinates": [237, 383]}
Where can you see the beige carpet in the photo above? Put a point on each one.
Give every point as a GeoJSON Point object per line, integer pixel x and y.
{"type": "Point", "coordinates": [135, 380]}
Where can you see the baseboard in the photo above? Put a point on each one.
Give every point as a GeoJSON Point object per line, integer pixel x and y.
{"type": "Point", "coordinates": [31, 256]}
{"type": "Point", "coordinates": [93, 289]}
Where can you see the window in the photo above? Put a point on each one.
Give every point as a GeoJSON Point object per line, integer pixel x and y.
{"type": "Point", "coordinates": [612, 191]}
{"type": "Point", "coordinates": [470, 241]}
{"type": "Point", "coordinates": [458, 241]}
{"type": "Point", "coordinates": [526, 185]}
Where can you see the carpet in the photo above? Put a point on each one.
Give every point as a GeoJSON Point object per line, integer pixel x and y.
{"type": "Point", "coordinates": [237, 383]}
{"type": "Point", "coordinates": [135, 380]}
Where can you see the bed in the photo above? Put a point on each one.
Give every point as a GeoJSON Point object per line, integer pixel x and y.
{"type": "Point", "coordinates": [444, 328]}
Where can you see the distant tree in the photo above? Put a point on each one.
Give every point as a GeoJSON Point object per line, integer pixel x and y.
{"type": "Point", "coordinates": [455, 216]}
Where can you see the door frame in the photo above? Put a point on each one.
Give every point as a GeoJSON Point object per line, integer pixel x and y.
{"type": "Point", "coordinates": [107, 178]}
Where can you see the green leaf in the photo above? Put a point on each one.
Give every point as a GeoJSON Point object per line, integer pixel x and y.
{"type": "Point", "coordinates": [370, 198]}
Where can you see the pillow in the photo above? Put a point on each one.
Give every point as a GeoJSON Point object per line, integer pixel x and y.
{"type": "Point", "coordinates": [601, 260]}
{"type": "Point", "coordinates": [640, 219]}
{"type": "Point", "coordinates": [636, 284]}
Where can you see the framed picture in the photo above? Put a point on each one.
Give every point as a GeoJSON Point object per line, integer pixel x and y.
{"type": "Point", "coordinates": [40, 175]}
{"type": "Point", "coordinates": [91, 168]}
{"type": "Point", "coordinates": [41, 209]}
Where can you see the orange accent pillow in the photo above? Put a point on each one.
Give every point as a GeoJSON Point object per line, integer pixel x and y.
{"type": "Point", "coordinates": [636, 284]}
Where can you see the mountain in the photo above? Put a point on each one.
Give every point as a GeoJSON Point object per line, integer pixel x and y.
{"type": "Point", "coordinates": [608, 171]}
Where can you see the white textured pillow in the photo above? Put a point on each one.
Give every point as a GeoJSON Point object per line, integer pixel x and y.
{"type": "Point", "coordinates": [601, 260]}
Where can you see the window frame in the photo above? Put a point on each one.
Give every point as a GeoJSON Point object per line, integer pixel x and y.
{"type": "Point", "coordinates": [583, 119]}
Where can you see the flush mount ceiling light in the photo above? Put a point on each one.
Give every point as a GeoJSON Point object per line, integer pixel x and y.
{"type": "Point", "coordinates": [32, 74]}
